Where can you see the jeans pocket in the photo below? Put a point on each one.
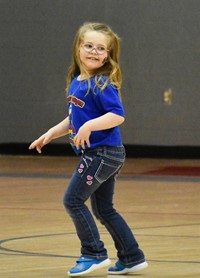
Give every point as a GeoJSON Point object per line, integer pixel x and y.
{"type": "Point", "coordinates": [106, 170]}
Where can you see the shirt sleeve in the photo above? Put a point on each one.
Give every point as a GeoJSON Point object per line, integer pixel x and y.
{"type": "Point", "coordinates": [108, 100]}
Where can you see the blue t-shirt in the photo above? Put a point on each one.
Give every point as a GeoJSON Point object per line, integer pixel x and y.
{"type": "Point", "coordinates": [84, 106]}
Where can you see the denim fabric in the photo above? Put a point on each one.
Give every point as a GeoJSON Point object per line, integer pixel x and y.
{"type": "Point", "coordinates": [94, 178]}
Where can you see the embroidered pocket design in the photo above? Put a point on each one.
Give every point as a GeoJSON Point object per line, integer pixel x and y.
{"type": "Point", "coordinates": [81, 167]}
{"type": "Point", "coordinates": [89, 180]}
{"type": "Point", "coordinates": [89, 177]}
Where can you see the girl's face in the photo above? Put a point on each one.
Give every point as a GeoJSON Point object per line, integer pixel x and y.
{"type": "Point", "coordinates": [93, 51]}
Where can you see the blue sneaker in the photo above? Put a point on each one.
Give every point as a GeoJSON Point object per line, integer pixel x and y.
{"type": "Point", "coordinates": [86, 265]}
{"type": "Point", "coordinates": [125, 269]}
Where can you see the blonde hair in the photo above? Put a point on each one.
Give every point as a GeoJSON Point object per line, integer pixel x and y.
{"type": "Point", "coordinates": [111, 68]}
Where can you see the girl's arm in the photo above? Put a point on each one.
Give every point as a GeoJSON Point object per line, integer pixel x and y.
{"type": "Point", "coordinates": [106, 121]}
{"type": "Point", "coordinates": [57, 131]}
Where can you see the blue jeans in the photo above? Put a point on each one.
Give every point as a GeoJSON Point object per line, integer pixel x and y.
{"type": "Point", "coordinates": [94, 178]}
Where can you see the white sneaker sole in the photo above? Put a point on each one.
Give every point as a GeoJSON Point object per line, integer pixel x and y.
{"type": "Point", "coordinates": [94, 267]}
{"type": "Point", "coordinates": [130, 270]}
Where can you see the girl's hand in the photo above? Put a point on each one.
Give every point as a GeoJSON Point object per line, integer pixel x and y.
{"type": "Point", "coordinates": [108, 120]}
{"type": "Point", "coordinates": [40, 142]}
{"type": "Point", "coordinates": [59, 130]}
{"type": "Point", "coordinates": [82, 137]}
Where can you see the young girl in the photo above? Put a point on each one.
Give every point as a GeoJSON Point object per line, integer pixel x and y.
{"type": "Point", "coordinates": [95, 112]}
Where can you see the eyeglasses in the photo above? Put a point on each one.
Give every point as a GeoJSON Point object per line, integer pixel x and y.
{"type": "Point", "coordinates": [100, 49]}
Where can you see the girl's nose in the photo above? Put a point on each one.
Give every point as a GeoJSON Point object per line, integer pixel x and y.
{"type": "Point", "coordinates": [94, 50]}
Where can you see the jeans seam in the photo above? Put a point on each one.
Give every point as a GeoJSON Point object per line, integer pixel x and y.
{"type": "Point", "coordinates": [85, 219]}
{"type": "Point", "coordinates": [114, 158]}
{"type": "Point", "coordinates": [108, 227]}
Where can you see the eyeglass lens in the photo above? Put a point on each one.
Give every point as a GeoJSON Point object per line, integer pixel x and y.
{"type": "Point", "coordinates": [99, 48]}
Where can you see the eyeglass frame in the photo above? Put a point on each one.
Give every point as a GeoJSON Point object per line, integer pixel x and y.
{"type": "Point", "coordinates": [94, 48]}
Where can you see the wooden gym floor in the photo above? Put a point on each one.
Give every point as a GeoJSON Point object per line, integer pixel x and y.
{"type": "Point", "coordinates": [160, 199]}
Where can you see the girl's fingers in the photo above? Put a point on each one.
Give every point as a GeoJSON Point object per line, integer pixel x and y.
{"type": "Point", "coordinates": [81, 142]}
{"type": "Point", "coordinates": [38, 149]}
{"type": "Point", "coordinates": [88, 143]}
{"type": "Point", "coordinates": [36, 145]}
{"type": "Point", "coordinates": [32, 146]}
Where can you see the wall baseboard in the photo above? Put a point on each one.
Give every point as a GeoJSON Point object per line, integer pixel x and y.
{"type": "Point", "coordinates": [132, 151]}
